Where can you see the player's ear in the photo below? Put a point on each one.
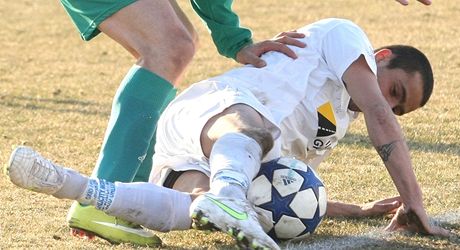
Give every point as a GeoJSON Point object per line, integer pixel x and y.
{"type": "Point", "coordinates": [382, 54]}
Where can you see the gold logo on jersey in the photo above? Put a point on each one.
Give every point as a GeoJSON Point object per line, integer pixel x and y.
{"type": "Point", "coordinates": [326, 120]}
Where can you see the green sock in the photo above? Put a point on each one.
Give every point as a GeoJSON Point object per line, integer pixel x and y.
{"type": "Point", "coordinates": [143, 173]}
{"type": "Point", "coordinates": [135, 111]}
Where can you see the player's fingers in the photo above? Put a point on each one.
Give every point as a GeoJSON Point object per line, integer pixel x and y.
{"type": "Point", "coordinates": [415, 224]}
{"type": "Point", "coordinates": [393, 226]}
{"type": "Point", "coordinates": [426, 2]}
{"type": "Point", "coordinates": [406, 2]}
{"type": "Point", "coordinates": [383, 208]}
{"type": "Point", "coordinates": [290, 41]}
{"type": "Point", "coordinates": [390, 207]}
{"type": "Point", "coordinates": [292, 33]}
{"type": "Point", "coordinates": [290, 38]}
{"type": "Point", "coordinates": [251, 54]}
{"type": "Point", "coordinates": [442, 232]}
{"type": "Point", "coordinates": [429, 230]}
{"type": "Point", "coordinates": [403, 2]}
{"type": "Point", "coordinates": [277, 46]}
{"type": "Point", "coordinates": [392, 211]}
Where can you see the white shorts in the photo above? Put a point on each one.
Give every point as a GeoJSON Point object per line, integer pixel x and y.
{"type": "Point", "coordinates": [179, 128]}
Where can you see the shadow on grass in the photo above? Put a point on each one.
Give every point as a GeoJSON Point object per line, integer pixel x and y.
{"type": "Point", "coordinates": [443, 148]}
{"type": "Point", "coordinates": [354, 242]}
{"type": "Point", "coordinates": [55, 105]}
{"type": "Point", "coordinates": [377, 238]}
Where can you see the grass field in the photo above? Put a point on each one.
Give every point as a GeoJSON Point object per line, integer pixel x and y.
{"type": "Point", "coordinates": [56, 92]}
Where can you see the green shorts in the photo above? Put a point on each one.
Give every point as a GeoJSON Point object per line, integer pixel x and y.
{"type": "Point", "coordinates": [88, 14]}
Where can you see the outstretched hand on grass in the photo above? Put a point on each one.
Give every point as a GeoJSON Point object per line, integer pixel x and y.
{"type": "Point", "coordinates": [251, 53]}
{"type": "Point", "coordinates": [408, 220]}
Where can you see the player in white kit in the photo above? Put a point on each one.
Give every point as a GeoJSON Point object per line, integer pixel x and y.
{"type": "Point", "coordinates": [216, 133]}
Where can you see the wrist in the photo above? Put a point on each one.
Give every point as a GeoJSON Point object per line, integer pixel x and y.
{"type": "Point", "coordinates": [238, 48]}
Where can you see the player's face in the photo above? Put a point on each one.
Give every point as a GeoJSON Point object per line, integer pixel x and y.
{"type": "Point", "coordinates": [402, 91]}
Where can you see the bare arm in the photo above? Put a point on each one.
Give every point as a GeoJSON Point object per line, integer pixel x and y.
{"type": "Point", "coordinates": [374, 208]}
{"type": "Point", "coordinates": [387, 138]}
{"type": "Point", "coordinates": [384, 131]}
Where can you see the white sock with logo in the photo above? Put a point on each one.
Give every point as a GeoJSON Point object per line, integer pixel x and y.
{"type": "Point", "coordinates": [234, 161]}
{"type": "Point", "coordinates": [98, 193]}
{"type": "Point", "coordinates": [155, 207]}
{"type": "Point", "coordinates": [87, 191]}
{"type": "Point", "coordinates": [152, 206]}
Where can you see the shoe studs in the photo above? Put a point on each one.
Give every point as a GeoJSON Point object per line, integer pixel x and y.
{"type": "Point", "coordinates": [80, 233]}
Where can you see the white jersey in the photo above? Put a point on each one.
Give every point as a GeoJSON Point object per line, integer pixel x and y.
{"type": "Point", "coordinates": [304, 101]}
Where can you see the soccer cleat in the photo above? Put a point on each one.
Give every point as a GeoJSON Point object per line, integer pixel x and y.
{"type": "Point", "coordinates": [233, 216]}
{"type": "Point", "coordinates": [87, 221]}
{"type": "Point", "coordinates": [28, 169]}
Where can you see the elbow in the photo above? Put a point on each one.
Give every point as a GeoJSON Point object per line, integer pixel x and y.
{"type": "Point", "coordinates": [382, 114]}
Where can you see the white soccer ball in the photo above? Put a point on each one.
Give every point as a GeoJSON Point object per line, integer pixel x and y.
{"type": "Point", "coordinates": [289, 197]}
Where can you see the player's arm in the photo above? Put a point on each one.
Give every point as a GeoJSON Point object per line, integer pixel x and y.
{"type": "Point", "coordinates": [341, 209]}
{"type": "Point", "coordinates": [387, 138]}
{"type": "Point", "coordinates": [235, 41]}
{"type": "Point", "coordinates": [374, 208]}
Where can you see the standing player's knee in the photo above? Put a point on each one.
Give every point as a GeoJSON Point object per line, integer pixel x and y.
{"type": "Point", "coordinates": [175, 52]}
{"type": "Point", "coordinates": [182, 49]}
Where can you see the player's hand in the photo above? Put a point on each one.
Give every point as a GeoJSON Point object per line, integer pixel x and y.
{"type": "Point", "coordinates": [381, 207]}
{"type": "Point", "coordinates": [251, 53]}
{"type": "Point", "coordinates": [408, 220]}
{"type": "Point", "coordinates": [406, 2]}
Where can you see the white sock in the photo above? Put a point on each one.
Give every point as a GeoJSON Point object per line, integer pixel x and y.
{"type": "Point", "coordinates": [98, 193]}
{"type": "Point", "coordinates": [74, 185]}
{"type": "Point", "coordinates": [225, 188]}
{"type": "Point", "coordinates": [155, 207]}
{"type": "Point", "coordinates": [234, 162]}
{"type": "Point", "coordinates": [87, 191]}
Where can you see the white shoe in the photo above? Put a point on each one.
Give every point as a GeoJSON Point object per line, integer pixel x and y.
{"type": "Point", "coordinates": [234, 216]}
{"type": "Point", "coordinates": [28, 169]}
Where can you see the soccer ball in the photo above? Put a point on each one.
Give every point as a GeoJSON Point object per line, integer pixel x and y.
{"type": "Point", "coordinates": [289, 198]}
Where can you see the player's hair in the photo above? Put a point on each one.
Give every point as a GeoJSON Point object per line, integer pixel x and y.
{"type": "Point", "coordinates": [412, 60]}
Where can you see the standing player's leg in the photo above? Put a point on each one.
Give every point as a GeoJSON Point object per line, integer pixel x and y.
{"type": "Point", "coordinates": [155, 34]}
{"type": "Point", "coordinates": [163, 46]}
{"type": "Point", "coordinates": [144, 169]}
{"type": "Point", "coordinates": [235, 142]}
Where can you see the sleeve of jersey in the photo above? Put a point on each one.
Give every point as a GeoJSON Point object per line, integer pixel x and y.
{"type": "Point", "coordinates": [224, 25]}
{"type": "Point", "coordinates": [343, 45]}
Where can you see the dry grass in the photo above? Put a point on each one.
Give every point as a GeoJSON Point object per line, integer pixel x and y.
{"type": "Point", "coordinates": [56, 93]}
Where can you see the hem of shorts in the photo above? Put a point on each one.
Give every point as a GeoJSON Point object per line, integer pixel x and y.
{"type": "Point", "coordinates": [92, 31]}
{"type": "Point", "coordinates": [237, 100]}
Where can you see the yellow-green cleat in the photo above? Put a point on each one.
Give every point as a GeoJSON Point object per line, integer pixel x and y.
{"type": "Point", "coordinates": [87, 222]}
